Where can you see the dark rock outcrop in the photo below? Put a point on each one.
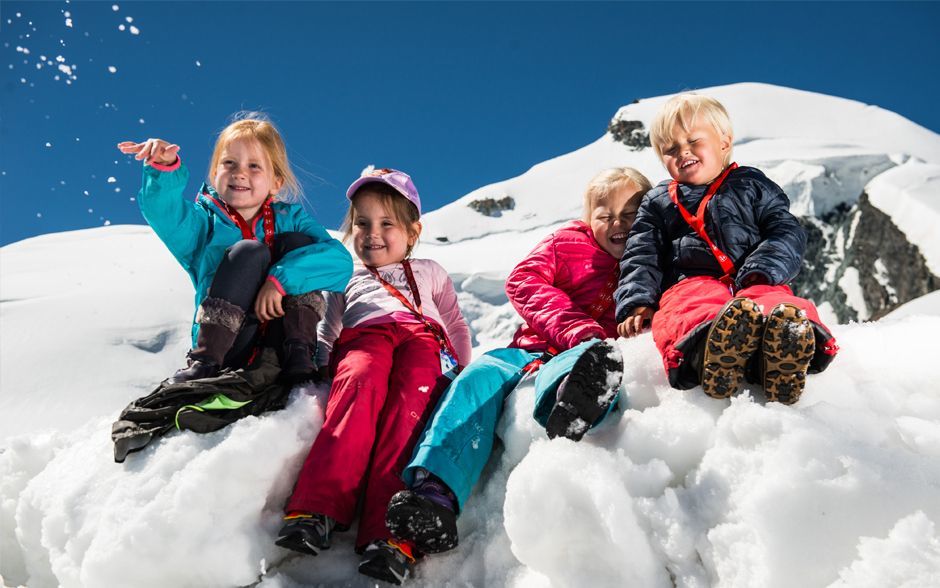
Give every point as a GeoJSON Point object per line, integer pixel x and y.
{"type": "Point", "coordinates": [493, 207]}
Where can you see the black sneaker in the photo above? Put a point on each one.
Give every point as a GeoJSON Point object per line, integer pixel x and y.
{"type": "Point", "coordinates": [587, 392]}
{"type": "Point", "coordinates": [416, 517]}
{"type": "Point", "coordinates": [388, 561]}
{"type": "Point", "coordinates": [306, 533]}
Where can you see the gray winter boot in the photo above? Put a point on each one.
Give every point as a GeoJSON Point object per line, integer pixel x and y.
{"type": "Point", "coordinates": [219, 322]}
{"type": "Point", "coordinates": [301, 315]}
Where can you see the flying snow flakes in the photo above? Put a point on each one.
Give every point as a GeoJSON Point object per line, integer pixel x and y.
{"type": "Point", "coordinates": [134, 30]}
{"type": "Point", "coordinates": [38, 215]}
{"type": "Point", "coordinates": [107, 222]}
{"type": "Point", "coordinates": [115, 7]}
{"type": "Point", "coordinates": [48, 144]}
{"type": "Point", "coordinates": [121, 27]}
{"type": "Point", "coordinates": [140, 120]}
{"type": "Point", "coordinates": [112, 179]}
{"type": "Point", "coordinates": [198, 63]}
{"type": "Point", "coordinates": [111, 69]}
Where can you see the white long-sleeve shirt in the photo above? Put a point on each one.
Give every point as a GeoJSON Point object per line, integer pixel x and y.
{"type": "Point", "coordinates": [366, 302]}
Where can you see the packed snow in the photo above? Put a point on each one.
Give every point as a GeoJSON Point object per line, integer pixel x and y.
{"type": "Point", "coordinates": [674, 489]}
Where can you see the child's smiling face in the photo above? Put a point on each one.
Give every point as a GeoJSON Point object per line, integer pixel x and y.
{"type": "Point", "coordinates": [612, 218]}
{"type": "Point", "coordinates": [696, 156]}
{"type": "Point", "coordinates": [378, 237]}
{"type": "Point", "coordinates": [244, 176]}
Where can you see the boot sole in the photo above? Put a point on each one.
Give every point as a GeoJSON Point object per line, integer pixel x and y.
{"type": "Point", "coordinates": [586, 395]}
{"type": "Point", "coordinates": [733, 338]}
{"type": "Point", "coordinates": [787, 348]}
{"type": "Point", "coordinates": [411, 517]}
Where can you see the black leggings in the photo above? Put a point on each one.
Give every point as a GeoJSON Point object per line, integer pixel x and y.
{"type": "Point", "coordinates": [241, 273]}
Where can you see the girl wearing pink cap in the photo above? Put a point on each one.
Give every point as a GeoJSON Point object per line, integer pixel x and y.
{"type": "Point", "coordinates": [391, 342]}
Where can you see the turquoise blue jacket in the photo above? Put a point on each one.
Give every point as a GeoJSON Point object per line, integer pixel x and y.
{"type": "Point", "coordinates": [198, 233]}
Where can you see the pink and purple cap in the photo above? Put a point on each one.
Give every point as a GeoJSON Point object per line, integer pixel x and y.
{"type": "Point", "coordinates": [398, 180]}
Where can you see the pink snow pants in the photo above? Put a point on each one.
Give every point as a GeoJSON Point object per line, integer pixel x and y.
{"type": "Point", "coordinates": [693, 303]}
{"type": "Point", "coordinates": [386, 385]}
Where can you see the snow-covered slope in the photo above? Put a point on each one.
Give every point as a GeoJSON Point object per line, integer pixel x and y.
{"type": "Point", "coordinates": [677, 489]}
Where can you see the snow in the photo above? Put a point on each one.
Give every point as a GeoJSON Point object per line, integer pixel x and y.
{"type": "Point", "coordinates": [821, 149]}
{"type": "Point", "coordinates": [674, 488]}
{"type": "Point", "coordinates": [910, 194]}
{"type": "Point", "coordinates": [839, 488]}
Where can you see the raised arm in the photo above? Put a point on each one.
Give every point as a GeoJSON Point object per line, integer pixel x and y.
{"type": "Point", "coordinates": [182, 226]}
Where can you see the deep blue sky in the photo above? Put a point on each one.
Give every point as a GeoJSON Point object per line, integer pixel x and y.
{"type": "Point", "coordinates": [457, 94]}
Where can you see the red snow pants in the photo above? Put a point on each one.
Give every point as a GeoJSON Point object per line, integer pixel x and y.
{"type": "Point", "coordinates": [689, 306]}
{"type": "Point", "coordinates": [387, 381]}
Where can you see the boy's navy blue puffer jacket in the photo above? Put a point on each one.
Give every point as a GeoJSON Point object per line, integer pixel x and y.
{"type": "Point", "coordinates": [748, 219]}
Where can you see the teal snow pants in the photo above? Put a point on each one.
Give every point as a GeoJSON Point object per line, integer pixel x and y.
{"type": "Point", "coordinates": [457, 443]}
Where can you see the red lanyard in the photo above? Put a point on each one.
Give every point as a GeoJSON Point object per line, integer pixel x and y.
{"type": "Point", "coordinates": [267, 215]}
{"type": "Point", "coordinates": [697, 222]}
{"type": "Point", "coordinates": [415, 308]}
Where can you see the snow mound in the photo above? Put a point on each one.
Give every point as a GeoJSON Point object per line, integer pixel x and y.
{"type": "Point", "coordinates": [675, 485]}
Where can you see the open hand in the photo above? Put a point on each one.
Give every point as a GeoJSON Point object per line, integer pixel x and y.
{"type": "Point", "coordinates": [151, 151]}
{"type": "Point", "coordinates": [638, 321]}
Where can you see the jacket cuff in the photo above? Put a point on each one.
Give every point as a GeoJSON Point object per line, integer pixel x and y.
{"type": "Point", "coordinates": [167, 168]}
{"type": "Point", "coordinates": [753, 278]}
{"type": "Point", "coordinates": [277, 285]}
{"type": "Point", "coordinates": [576, 336]}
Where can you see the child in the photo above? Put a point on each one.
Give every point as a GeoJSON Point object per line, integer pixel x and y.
{"type": "Point", "coordinates": [245, 246]}
{"type": "Point", "coordinates": [714, 249]}
{"type": "Point", "coordinates": [387, 339]}
{"type": "Point", "coordinates": [564, 291]}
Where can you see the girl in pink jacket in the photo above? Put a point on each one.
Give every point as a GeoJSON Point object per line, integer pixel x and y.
{"type": "Point", "coordinates": [391, 341]}
{"type": "Point", "coordinates": [564, 291]}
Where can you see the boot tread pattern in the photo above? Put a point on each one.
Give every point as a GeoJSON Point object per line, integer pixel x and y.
{"type": "Point", "coordinates": [586, 395]}
{"type": "Point", "coordinates": [788, 346]}
{"type": "Point", "coordinates": [732, 339]}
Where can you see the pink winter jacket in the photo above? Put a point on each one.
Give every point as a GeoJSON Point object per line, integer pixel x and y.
{"type": "Point", "coordinates": [553, 287]}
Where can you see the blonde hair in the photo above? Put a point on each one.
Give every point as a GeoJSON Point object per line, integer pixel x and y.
{"type": "Point", "coordinates": [683, 110]}
{"type": "Point", "coordinates": [609, 181]}
{"type": "Point", "coordinates": [397, 206]}
{"type": "Point", "coordinates": [257, 127]}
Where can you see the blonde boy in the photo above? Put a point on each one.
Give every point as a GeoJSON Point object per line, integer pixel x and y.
{"type": "Point", "coordinates": [708, 262]}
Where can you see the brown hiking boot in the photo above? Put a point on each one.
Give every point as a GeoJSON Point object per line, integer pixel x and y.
{"type": "Point", "coordinates": [787, 347]}
{"type": "Point", "coordinates": [733, 337]}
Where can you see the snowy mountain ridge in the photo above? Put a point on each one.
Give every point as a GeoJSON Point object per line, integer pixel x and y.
{"type": "Point", "coordinates": [679, 490]}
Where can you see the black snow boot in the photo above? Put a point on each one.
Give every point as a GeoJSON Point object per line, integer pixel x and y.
{"type": "Point", "coordinates": [390, 561]}
{"type": "Point", "coordinates": [587, 392]}
{"type": "Point", "coordinates": [306, 533]}
{"type": "Point", "coordinates": [219, 322]}
{"type": "Point", "coordinates": [425, 515]}
{"type": "Point", "coordinates": [301, 315]}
